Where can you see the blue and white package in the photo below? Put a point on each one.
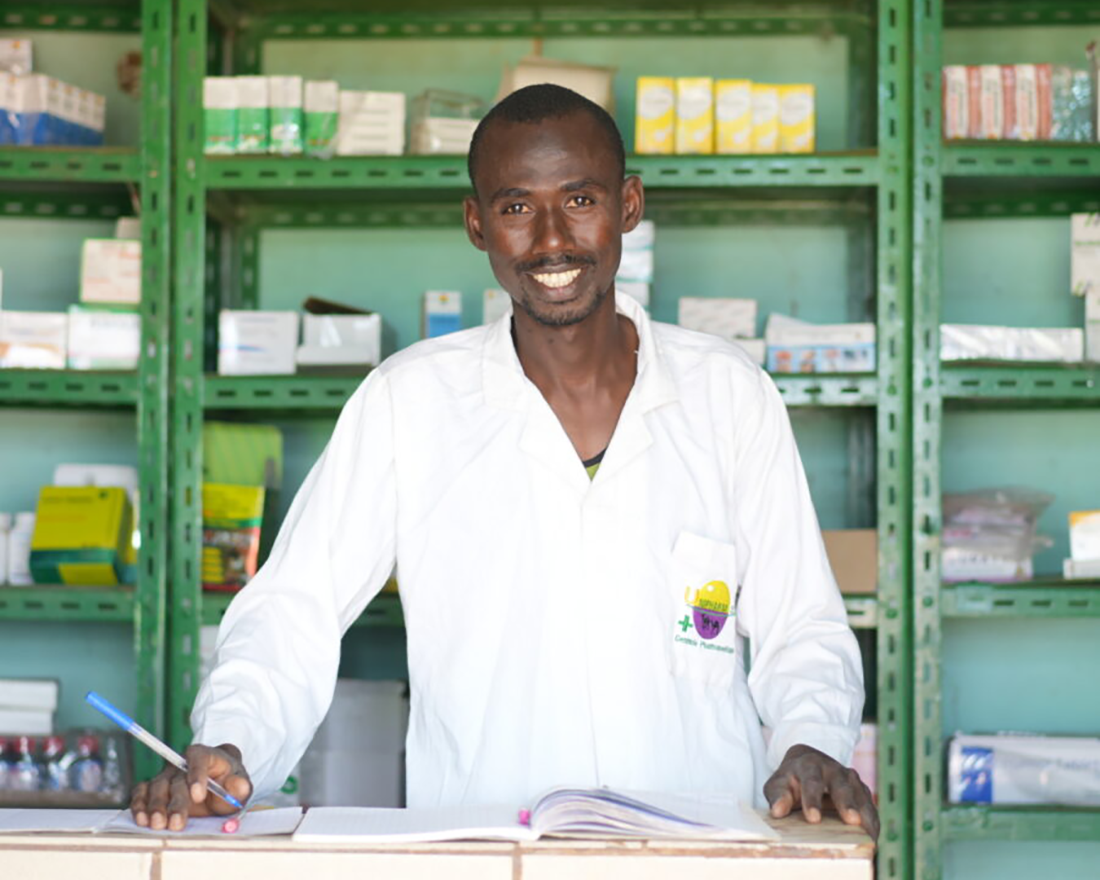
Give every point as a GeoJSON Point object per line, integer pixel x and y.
{"type": "Point", "coordinates": [51, 113]}
{"type": "Point", "coordinates": [10, 108]}
{"type": "Point", "coordinates": [1020, 769]}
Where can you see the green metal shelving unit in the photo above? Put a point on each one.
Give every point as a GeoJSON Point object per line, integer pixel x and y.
{"type": "Point", "coordinates": [93, 183]}
{"type": "Point", "coordinates": [222, 203]}
{"type": "Point", "coordinates": [980, 180]}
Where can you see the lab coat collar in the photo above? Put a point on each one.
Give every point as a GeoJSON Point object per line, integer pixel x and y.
{"type": "Point", "coordinates": [506, 385]}
{"type": "Point", "coordinates": [544, 438]}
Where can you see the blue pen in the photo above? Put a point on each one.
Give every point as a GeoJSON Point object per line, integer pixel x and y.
{"type": "Point", "coordinates": [170, 755]}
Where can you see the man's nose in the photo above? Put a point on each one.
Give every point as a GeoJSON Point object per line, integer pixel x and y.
{"type": "Point", "coordinates": [551, 232]}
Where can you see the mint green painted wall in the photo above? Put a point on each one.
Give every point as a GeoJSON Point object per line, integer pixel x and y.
{"type": "Point", "coordinates": [1010, 860]}
{"type": "Point", "coordinates": [1045, 45]}
{"type": "Point", "coordinates": [474, 66]}
{"type": "Point", "coordinates": [41, 261]}
{"type": "Point", "coordinates": [88, 61]}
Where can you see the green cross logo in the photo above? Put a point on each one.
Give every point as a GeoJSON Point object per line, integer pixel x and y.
{"type": "Point", "coordinates": [684, 624]}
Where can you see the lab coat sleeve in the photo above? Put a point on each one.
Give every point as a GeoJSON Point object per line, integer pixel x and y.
{"type": "Point", "coordinates": [278, 647]}
{"type": "Point", "coordinates": [805, 674]}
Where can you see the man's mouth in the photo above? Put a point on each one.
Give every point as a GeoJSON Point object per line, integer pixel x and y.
{"type": "Point", "coordinates": [558, 279]}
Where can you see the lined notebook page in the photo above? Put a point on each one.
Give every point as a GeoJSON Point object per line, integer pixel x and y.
{"type": "Point", "coordinates": [256, 823]}
{"type": "Point", "coordinates": [380, 825]}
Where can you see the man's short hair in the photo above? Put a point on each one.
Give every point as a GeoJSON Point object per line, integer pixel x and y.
{"type": "Point", "coordinates": [533, 104]}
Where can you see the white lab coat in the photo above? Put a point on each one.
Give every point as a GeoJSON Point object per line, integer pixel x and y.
{"type": "Point", "coordinates": [555, 624]}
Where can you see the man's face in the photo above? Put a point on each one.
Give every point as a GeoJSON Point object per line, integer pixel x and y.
{"type": "Point", "coordinates": [550, 211]}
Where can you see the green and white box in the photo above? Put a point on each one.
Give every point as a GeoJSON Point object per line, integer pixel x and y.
{"type": "Point", "coordinates": [1085, 254]}
{"type": "Point", "coordinates": [104, 338]}
{"type": "Point", "coordinates": [322, 114]}
{"type": "Point", "coordinates": [253, 110]}
{"type": "Point", "coordinates": [219, 115]}
{"type": "Point", "coordinates": [285, 97]}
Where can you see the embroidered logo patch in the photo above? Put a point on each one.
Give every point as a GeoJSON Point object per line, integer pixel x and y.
{"type": "Point", "coordinates": [710, 608]}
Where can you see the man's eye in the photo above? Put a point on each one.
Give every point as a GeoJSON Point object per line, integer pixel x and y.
{"type": "Point", "coordinates": [516, 208]}
{"type": "Point", "coordinates": [582, 201]}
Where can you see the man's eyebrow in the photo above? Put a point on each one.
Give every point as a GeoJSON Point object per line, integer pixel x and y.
{"type": "Point", "coordinates": [510, 192]}
{"type": "Point", "coordinates": [584, 183]}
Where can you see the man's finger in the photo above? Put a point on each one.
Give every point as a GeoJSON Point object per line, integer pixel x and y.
{"type": "Point", "coordinates": [158, 802]}
{"type": "Point", "coordinates": [198, 770]}
{"type": "Point", "coordinates": [813, 792]}
{"type": "Point", "coordinates": [783, 805]}
{"type": "Point", "coordinates": [179, 803]}
{"type": "Point", "coordinates": [137, 803]}
{"type": "Point", "coordinates": [237, 786]}
{"type": "Point", "coordinates": [846, 793]}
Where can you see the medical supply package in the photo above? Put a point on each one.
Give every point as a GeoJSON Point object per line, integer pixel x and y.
{"type": "Point", "coordinates": [1020, 769]}
{"type": "Point", "coordinates": [796, 346]}
{"type": "Point", "coordinates": [219, 115]}
{"type": "Point", "coordinates": [733, 116]}
{"type": "Point", "coordinates": [321, 106]}
{"type": "Point", "coordinates": [33, 340]}
{"type": "Point", "coordinates": [255, 343]}
{"type": "Point", "coordinates": [284, 95]}
{"type": "Point", "coordinates": [104, 338]}
{"type": "Point", "coordinates": [110, 271]}
{"type": "Point", "coordinates": [694, 115]}
{"type": "Point", "coordinates": [655, 116]}
{"type": "Point", "coordinates": [974, 342]}
{"type": "Point", "coordinates": [725, 317]}
{"type": "Point", "coordinates": [81, 535]}
{"type": "Point", "coordinates": [1085, 254]}
{"type": "Point", "coordinates": [231, 520]}
{"type": "Point", "coordinates": [442, 312]}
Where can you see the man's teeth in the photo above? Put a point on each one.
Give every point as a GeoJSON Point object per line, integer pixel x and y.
{"type": "Point", "coordinates": [558, 279]}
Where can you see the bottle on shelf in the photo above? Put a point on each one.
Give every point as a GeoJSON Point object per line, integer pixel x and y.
{"type": "Point", "coordinates": [4, 765]}
{"type": "Point", "coordinates": [86, 774]}
{"type": "Point", "coordinates": [24, 771]}
{"type": "Point", "coordinates": [55, 764]}
{"type": "Point", "coordinates": [19, 550]}
{"type": "Point", "coordinates": [113, 777]}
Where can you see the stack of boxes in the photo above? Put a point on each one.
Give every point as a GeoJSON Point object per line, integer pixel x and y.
{"type": "Point", "coordinates": [796, 346]}
{"type": "Point", "coordinates": [27, 706]}
{"type": "Point", "coordinates": [701, 115]}
{"type": "Point", "coordinates": [730, 319]}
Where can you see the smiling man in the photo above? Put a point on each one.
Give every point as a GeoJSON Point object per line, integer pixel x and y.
{"type": "Point", "coordinates": [594, 518]}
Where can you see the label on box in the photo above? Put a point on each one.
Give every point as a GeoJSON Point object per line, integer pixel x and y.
{"type": "Point", "coordinates": [33, 340]}
{"type": "Point", "coordinates": [956, 118]}
{"type": "Point", "coordinates": [253, 115]}
{"type": "Point", "coordinates": [656, 115]}
{"type": "Point", "coordinates": [694, 115]}
{"type": "Point", "coordinates": [16, 56]}
{"type": "Point", "coordinates": [765, 118]}
{"type": "Point", "coordinates": [231, 520]}
{"type": "Point", "coordinates": [103, 340]}
{"type": "Point", "coordinates": [992, 102]}
{"type": "Point", "coordinates": [442, 312]}
{"type": "Point", "coordinates": [257, 343]}
{"type": "Point", "coordinates": [796, 119]}
{"type": "Point", "coordinates": [110, 271]}
{"type": "Point", "coordinates": [219, 114]}
{"type": "Point", "coordinates": [733, 114]}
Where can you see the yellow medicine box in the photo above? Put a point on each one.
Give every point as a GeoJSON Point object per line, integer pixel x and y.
{"type": "Point", "coordinates": [765, 118]}
{"type": "Point", "coordinates": [797, 119]}
{"type": "Point", "coordinates": [81, 535]}
{"type": "Point", "coordinates": [694, 114]}
{"type": "Point", "coordinates": [655, 117]}
{"type": "Point", "coordinates": [733, 114]}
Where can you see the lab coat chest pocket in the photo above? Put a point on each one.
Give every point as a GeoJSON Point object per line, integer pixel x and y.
{"type": "Point", "coordinates": [704, 593]}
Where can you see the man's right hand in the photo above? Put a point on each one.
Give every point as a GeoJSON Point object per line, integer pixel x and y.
{"type": "Point", "coordinates": [172, 796]}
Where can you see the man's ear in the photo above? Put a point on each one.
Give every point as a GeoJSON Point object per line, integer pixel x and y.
{"type": "Point", "coordinates": [633, 202]}
{"type": "Point", "coordinates": [471, 215]}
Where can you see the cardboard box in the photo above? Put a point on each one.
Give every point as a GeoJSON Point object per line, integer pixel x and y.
{"type": "Point", "coordinates": [495, 304]}
{"type": "Point", "coordinates": [285, 101]}
{"type": "Point", "coordinates": [231, 520]}
{"type": "Point", "coordinates": [101, 339]}
{"type": "Point", "coordinates": [257, 343]}
{"type": "Point", "coordinates": [733, 115]}
{"type": "Point", "coordinates": [765, 118]}
{"type": "Point", "coordinates": [219, 115]}
{"type": "Point", "coordinates": [29, 693]}
{"type": "Point", "coordinates": [962, 342]}
{"type": "Point", "coordinates": [853, 556]}
{"type": "Point", "coordinates": [992, 102]}
{"type": "Point", "coordinates": [974, 101]}
{"type": "Point", "coordinates": [799, 347]}
{"type": "Point", "coordinates": [442, 312]}
{"type": "Point", "coordinates": [1092, 327]}
{"type": "Point", "coordinates": [33, 340]}
{"type": "Point", "coordinates": [81, 535]}
{"type": "Point", "coordinates": [595, 83]}
{"type": "Point", "coordinates": [331, 340]}
{"type": "Point", "coordinates": [694, 115]}
{"type": "Point", "coordinates": [321, 100]}
{"type": "Point", "coordinates": [25, 722]}
{"type": "Point", "coordinates": [724, 317]}
{"type": "Point", "coordinates": [110, 271]}
{"type": "Point", "coordinates": [1084, 535]}
{"type": "Point", "coordinates": [1024, 769]}
{"type": "Point", "coordinates": [956, 117]}
{"type": "Point", "coordinates": [655, 120]}
{"type": "Point", "coordinates": [253, 114]}
{"type": "Point", "coordinates": [797, 119]}
{"type": "Point", "coordinates": [1085, 254]}
{"type": "Point", "coordinates": [439, 136]}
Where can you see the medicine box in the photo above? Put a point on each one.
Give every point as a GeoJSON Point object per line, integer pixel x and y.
{"type": "Point", "coordinates": [655, 120]}
{"type": "Point", "coordinates": [797, 119]}
{"type": "Point", "coordinates": [103, 339]}
{"type": "Point", "coordinates": [371, 124]}
{"type": "Point", "coordinates": [29, 693]}
{"type": "Point", "coordinates": [992, 102]}
{"type": "Point", "coordinates": [765, 118]}
{"type": "Point", "coordinates": [956, 118]}
{"type": "Point", "coordinates": [728, 318]}
{"type": "Point", "coordinates": [257, 343]}
{"type": "Point", "coordinates": [1085, 254]}
{"type": "Point", "coordinates": [1011, 768]}
{"type": "Point", "coordinates": [81, 535]}
{"type": "Point", "coordinates": [442, 312]}
{"type": "Point", "coordinates": [219, 114]}
{"type": "Point", "coordinates": [962, 342]}
{"type": "Point", "coordinates": [733, 116]}
{"type": "Point", "coordinates": [110, 271]}
{"type": "Point", "coordinates": [284, 95]}
{"type": "Point", "coordinates": [1092, 326]}
{"type": "Point", "coordinates": [440, 136]}
{"type": "Point", "coordinates": [331, 340]}
{"type": "Point", "coordinates": [1084, 535]}
{"type": "Point", "coordinates": [591, 81]}
{"type": "Point", "coordinates": [694, 115]}
{"type": "Point", "coordinates": [33, 340]}
{"type": "Point", "coordinates": [231, 520]}
{"type": "Point", "coordinates": [253, 114]}
{"type": "Point", "coordinates": [242, 454]}
{"type": "Point", "coordinates": [495, 304]}
{"type": "Point", "coordinates": [321, 100]}
{"type": "Point", "coordinates": [820, 348]}
{"type": "Point", "coordinates": [16, 56]}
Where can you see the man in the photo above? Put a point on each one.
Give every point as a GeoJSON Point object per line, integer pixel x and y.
{"type": "Point", "coordinates": [589, 512]}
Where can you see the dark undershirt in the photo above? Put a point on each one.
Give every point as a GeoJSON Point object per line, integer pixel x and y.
{"type": "Point", "coordinates": [593, 464]}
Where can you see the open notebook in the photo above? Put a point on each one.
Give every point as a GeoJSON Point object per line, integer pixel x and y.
{"type": "Point", "coordinates": [561, 812]}
{"type": "Point", "coordinates": [254, 823]}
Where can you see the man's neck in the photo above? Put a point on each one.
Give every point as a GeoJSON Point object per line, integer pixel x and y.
{"type": "Point", "coordinates": [581, 359]}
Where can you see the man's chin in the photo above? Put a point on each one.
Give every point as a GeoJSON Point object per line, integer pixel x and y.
{"type": "Point", "coordinates": [565, 314]}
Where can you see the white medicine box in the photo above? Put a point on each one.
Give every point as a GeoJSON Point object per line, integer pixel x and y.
{"type": "Point", "coordinates": [334, 340]}
{"type": "Point", "coordinates": [110, 271]}
{"type": "Point", "coordinates": [257, 343]}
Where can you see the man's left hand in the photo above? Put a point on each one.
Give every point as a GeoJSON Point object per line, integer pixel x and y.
{"type": "Point", "coordinates": [806, 777]}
